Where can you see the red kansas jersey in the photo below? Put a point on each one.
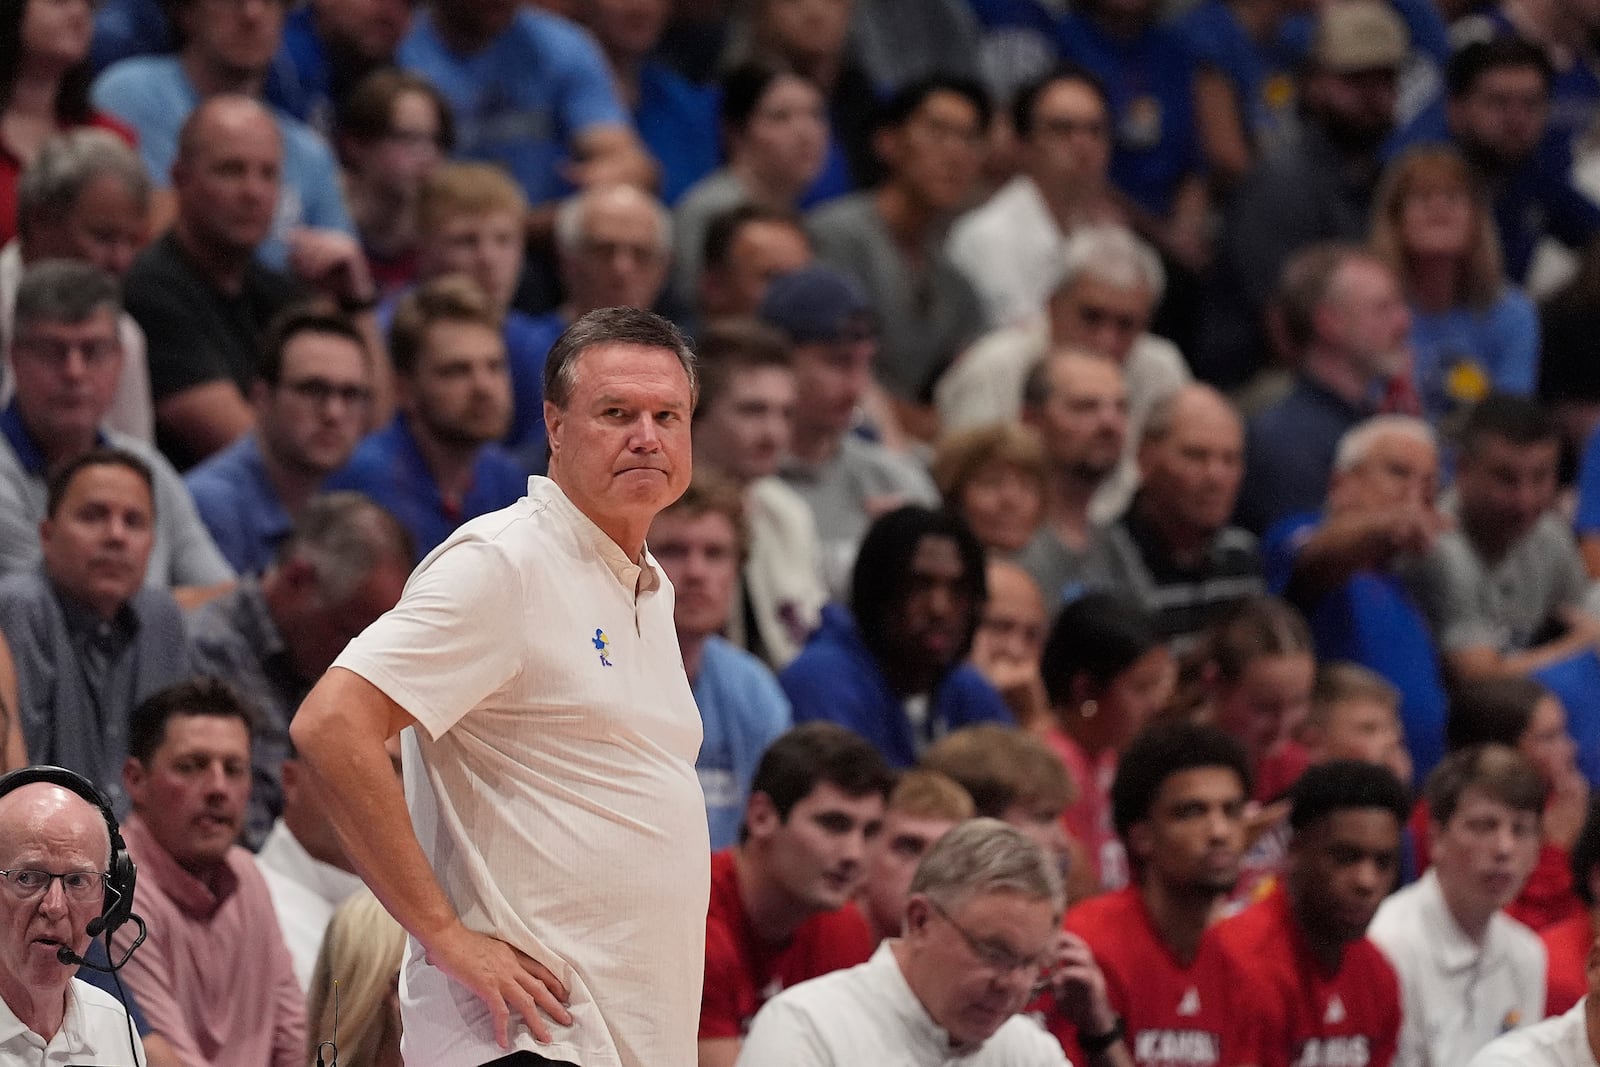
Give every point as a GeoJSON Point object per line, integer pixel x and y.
{"type": "Point", "coordinates": [1175, 1016]}
{"type": "Point", "coordinates": [1306, 1017]}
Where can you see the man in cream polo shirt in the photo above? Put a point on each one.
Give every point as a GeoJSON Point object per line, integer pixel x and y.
{"type": "Point", "coordinates": [554, 866]}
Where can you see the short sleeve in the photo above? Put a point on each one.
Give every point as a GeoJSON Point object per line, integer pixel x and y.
{"type": "Point", "coordinates": [1444, 585]}
{"type": "Point", "coordinates": [177, 355]}
{"type": "Point", "coordinates": [322, 189]}
{"type": "Point", "coordinates": [1515, 326]}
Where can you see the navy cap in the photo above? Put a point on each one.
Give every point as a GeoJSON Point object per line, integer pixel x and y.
{"type": "Point", "coordinates": [816, 304]}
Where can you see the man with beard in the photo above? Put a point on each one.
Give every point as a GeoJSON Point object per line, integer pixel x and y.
{"type": "Point", "coordinates": [1079, 404]}
{"type": "Point", "coordinates": [436, 465]}
{"type": "Point", "coordinates": [1178, 803]}
{"type": "Point", "coordinates": [1346, 319]}
{"type": "Point", "coordinates": [1322, 994]}
{"type": "Point", "coordinates": [891, 666]}
{"type": "Point", "coordinates": [781, 909]}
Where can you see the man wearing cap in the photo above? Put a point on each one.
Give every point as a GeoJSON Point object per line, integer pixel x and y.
{"type": "Point", "coordinates": [1315, 184]}
{"type": "Point", "coordinates": [847, 479]}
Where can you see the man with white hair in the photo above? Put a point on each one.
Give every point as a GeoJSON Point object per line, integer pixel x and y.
{"type": "Point", "coordinates": [982, 925]}
{"type": "Point", "coordinates": [1341, 567]}
{"type": "Point", "coordinates": [1346, 319]}
{"type": "Point", "coordinates": [614, 245]}
{"type": "Point", "coordinates": [1106, 291]}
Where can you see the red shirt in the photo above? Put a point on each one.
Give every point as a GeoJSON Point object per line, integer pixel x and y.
{"type": "Point", "coordinates": [11, 171]}
{"type": "Point", "coordinates": [742, 973]}
{"type": "Point", "coordinates": [1088, 819]}
{"type": "Point", "coordinates": [1566, 946]}
{"type": "Point", "coordinates": [1175, 1016]}
{"type": "Point", "coordinates": [1306, 1017]}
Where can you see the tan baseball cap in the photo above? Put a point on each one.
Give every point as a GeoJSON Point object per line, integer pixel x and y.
{"type": "Point", "coordinates": [1354, 35]}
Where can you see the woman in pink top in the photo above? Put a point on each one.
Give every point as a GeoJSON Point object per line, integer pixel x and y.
{"type": "Point", "coordinates": [1107, 674]}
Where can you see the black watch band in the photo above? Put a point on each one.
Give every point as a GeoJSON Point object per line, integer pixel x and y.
{"type": "Point", "coordinates": [1095, 1044]}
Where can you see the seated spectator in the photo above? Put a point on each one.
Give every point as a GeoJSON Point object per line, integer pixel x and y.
{"type": "Point", "coordinates": [215, 979]}
{"type": "Point", "coordinates": [1107, 676]}
{"type": "Point", "coordinates": [1011, 776]}
{"type": "Point", "coordinates": [437, 464]}
{"type": "Point", "coordinates": [745, 247]}
{"type": "Point", "coordinates": [224, 51]}
{"type": "Point", "coordinates": [845, 478]}
{"type": "Point", "coordinates": [328, 47]}
{"type": "Point", "coordinates": [1078, 404]}
{"type": "Point", "coordinates": [675, 118]}
{"type": "Point", "coordinates": [1174, 552]}
{"type": "Point", "coordinates": [1468, 972]}
{"type": "Point", "coordinates": [342, 565]}
{"type": "Point", "coordinates": [90, 641]}
{"type": "Point", "coordinates": [699, 541]}
{"type": "Point", "coordinates": [1344, 318]}
{"type": "Point", "coordinates": [1109, 285]}
{"type": "Point", "coordinates": [85, 196]}
{"type": "Point", "coordinates": [922, 808]}
{"type": "Point", "coordinates": [1509, 575]}
{"type": "Point", "coordinates": [199, 293]}
{"type": "Point", "coordinates": [1316, 184]}
{"type": "Point", "coordinates": [49, 821]}
{"type": "Point", "coordinates": [1355, 715]}
{"type": "Point", "coordinates": [613, 244]}
{"type": "Point", "coordinates": [1344, 569]}
{"type": "Point", "coordinates": [774, 125]}
{"type": "Point", "coordinates": [891, 238]}
{"type": "Point", "coordinates": [1567, 942]}
{"type": "Point", "coordinates": [44, 86]}
{"type": "Point", "coordinates": [1009, 247]}
{"type": "Point", "coordinates": [899, 41]}
{"type": "Point", "coordinates": [994, 477]}
{"type": "Point", "coordinates": [1565, 1041]}
{"type": "Point", "coordinates": [532, 93]}
{"type": "Point", "coordinates": [980, 929]}
{"type": "Point", "coordinates": [1472, 332]}
{"type": "Point", "coordinates": [1178, 803]}
{"type": "Point", "coordinates": [780, 899]}
{"type": "Point", "coordinates": [66, 358]}
{"type": "Point", "coordinates": [743, 423]}
{"type": "Point", "coordinates": [360, 958]}
{"type": "Point", "coordinates": [1319, 989]}
{"type": "Point", "coordinates": [392, 129]}
{"type": "Point", "coordinates": [312, 402]}
{"type": "Point", "coordinates": [1009, 644]}
{"type": "Point", "coordinates": [891, 665]}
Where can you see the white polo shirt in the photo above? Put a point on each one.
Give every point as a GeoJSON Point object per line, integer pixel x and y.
{"type": "Point", "coordinates": [1562, 1041]}
{"type": "Point", "coordinates": [868, 1015]}
{"type": "Point", "coordinates": [552, 782]}
{"type": "Point", "coordinates": [94, 1033]}
{"type": "Point", "coordinates": [1457, 996]}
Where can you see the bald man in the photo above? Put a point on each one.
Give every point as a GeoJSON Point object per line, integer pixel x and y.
{"type": "Point", "coordinates": [1009, 644]}
{"type": "Point", "coordinates": [614, 244]}
{"type": "Point", "coordinates": [54, 854]}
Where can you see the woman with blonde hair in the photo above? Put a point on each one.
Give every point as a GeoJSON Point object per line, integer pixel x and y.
{"type": "Point", "coordinates": [361, 954]}
{"type": "Point", "coordinates": [1472, 332]}
{"type": "Point", "coordinates": [993, 477]}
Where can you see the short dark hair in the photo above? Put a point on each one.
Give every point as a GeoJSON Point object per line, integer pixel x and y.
{"type": "Point", "coordinates": [1098, 634]}
{"type": "Point", "coordinates": [1491, 711]}
{"type": "Point", "coordinates": [366, 113]}
{"type": "Point", "coordinates": [606, 326]}
{"type": "Point", "coordinates": [1586, 854]}
{"type": "Point", "coordinates": [1505, 774]}
{"type": "Point", "coordinates": [202, 695]}
{"type": "Point", "coordinates": [724, 228]}
{"type": "Point", "coordinates": [743, 86]}
{"type": "Point", "coordinates": [1162, 750]}
{"type": "Point", "coordinates": [1516, 419]}
{"type": "Point", "coordinates": [734, 345]}
{"type": "Point", "coordinates": [907, 100]}
{"type": "Point", "coordinates": [304, 317]}
{"type": "Point", "coordinates": [880, 581]}
{"type": "Point", "coordinates": [1027, 98]}
{"type": "Point", "coordinates": [1342, 784]}
{"type": "Point", "coordinates": [447, 298]}
{"type": "Point", "coordinates": [61, 477]}
{"type": "Point", "coordinates": [815, 753]}
{"type": "Point", "coordinates": [1472, 61]}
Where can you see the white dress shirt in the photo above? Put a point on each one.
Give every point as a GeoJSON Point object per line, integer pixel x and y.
{"type": "Point", "coordinates": [1560, 1041]}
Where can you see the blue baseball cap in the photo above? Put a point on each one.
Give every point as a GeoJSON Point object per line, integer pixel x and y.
{"type": "Point", "coordinates": [817, 304]}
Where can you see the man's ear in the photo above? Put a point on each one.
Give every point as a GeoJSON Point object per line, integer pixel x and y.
{"type": "Point", "coordinates": [47, 527]}
{"type": "Point", "coordinates": [133, 779]}
{"type": "Point", "coordinates": [554, 420]}
{"type": "Point", "coordinates": [1140, 842]}
{"type": "Point", "coordinates": [919, 912]}
{"type": "Point", "coordinates": [761, 818]}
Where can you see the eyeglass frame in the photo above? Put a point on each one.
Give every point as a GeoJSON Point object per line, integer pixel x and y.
{"type": "Point", "coordinates": [1000, 968]}
{"type": "Point", "coordinates": [93, 891]}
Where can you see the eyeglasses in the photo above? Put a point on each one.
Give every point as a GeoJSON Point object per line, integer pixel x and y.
{"type": "Point", "coordinates": [27, 884]}
{"type": "Point", "coordinates": [55, 353]}
{"type": "Point", "coordinates": [998, 960]}
{"type": "Point", "coordinates": [319, 391]}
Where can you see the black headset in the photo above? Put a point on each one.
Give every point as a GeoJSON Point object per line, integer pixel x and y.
{"type": "Point", "coordinates": [118, 903]}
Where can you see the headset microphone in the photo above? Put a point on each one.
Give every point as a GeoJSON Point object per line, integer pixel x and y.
{"type": "Point", "coordinates": [72, 959]}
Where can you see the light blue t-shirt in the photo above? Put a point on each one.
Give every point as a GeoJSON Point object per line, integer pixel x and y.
{"type": "Point", "coordinates": [153, 95]}
{"type": "Point", "coordinates": [520, 100]}
{"type": "Point", "coordinates": [1463, 353]}
{"type": "Point", "coordinates": [743, 711]}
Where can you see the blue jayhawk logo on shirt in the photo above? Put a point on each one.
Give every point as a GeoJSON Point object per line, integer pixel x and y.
{"type": "Point", "coordinates": [600, 642]}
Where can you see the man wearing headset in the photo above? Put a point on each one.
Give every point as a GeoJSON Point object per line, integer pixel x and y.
{"type": "Point", "coordinates": [55, 857]}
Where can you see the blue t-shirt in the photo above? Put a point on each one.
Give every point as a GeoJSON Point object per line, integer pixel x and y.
{"type": "Point", "coordinates": [743, 711]}
{"type": "Point", "coordinates": [1464, 353]}
{"type": "Point", "coordinates": [1017, 42]}
{"type": "Point", "coordinates": [389, 468]}
{"type": "Point", "coordinates": [300, 82]}
{"type": "Point", "coordinates": [1263, 77]}
{"type": "Point", "coordinates": [153, 95]}
{"type": "Point", "coordinates": [1372, 620]}
{"type": "Point", "coordinates": [1587, 520]}
{"type": "Point", "coordinates": [837, 679]}
{"type": "Point", "coordinates": [677, 121]}
{"type": "Point", "coordinates": [237, 503]}
{"type": "Point", "coordinates": [523, 98]}
{"type": "Point", "coordinates": [1150, 82]}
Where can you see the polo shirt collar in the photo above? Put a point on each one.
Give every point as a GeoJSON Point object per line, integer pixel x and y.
{"type": "Point", "coordinates": [641, 577]}
{"type": "Point", "coordinates": [1452, 948]}
{"type": "Point", "coordinates": [11, 1027]}
{"type": "Point", "coordinates": [29, 454]}
{"type": "Point", "coordinates": [1318, 393]}
{"type": "Point", "coordinates": [193, 897]}
{"type": "Point", "coordinates": [923, 1032]}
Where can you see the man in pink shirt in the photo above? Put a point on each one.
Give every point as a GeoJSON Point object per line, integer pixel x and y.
{"type": "Point", "coordinates": [214, 977]}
